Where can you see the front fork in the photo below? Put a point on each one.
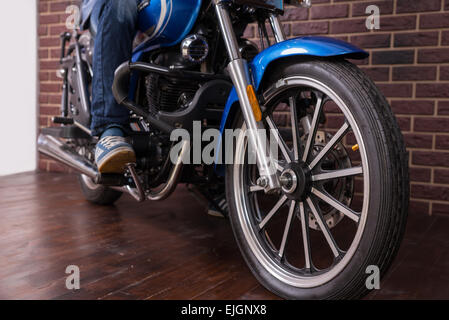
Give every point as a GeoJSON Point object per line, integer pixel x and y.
{"type": "Point", "coordinates": [239, 72]}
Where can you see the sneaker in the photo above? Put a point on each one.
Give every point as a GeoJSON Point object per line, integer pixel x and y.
{"type": "Point", "coordinates": [113, 152]}
{"type": "Point", "coordinates": [219, 208]}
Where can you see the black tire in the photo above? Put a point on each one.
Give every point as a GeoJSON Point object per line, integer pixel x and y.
{"type": "Point", "coordinates": [389, 181]}
{"type": "Point", "coordinates": [99, 195]}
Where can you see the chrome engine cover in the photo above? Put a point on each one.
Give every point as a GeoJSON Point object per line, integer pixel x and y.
{"type": "Point", "coordinates": [195, 48]}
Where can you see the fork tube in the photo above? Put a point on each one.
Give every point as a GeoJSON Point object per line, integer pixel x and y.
{"type": "Point", "coordinates": [239, 72]}
{"type": "Point", "coordinates": [276, 25]}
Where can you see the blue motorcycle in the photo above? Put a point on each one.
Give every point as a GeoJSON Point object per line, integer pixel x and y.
{"type": "Point", "coordinates": [317, 216]}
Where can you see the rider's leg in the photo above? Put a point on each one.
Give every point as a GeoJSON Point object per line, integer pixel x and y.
{"type": "Point", "coordinates": [113, 46]}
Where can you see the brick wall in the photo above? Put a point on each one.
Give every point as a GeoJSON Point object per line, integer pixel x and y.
{"type": "Point", "coordinates": [409, 61]}
{"type": "Point", "coordinates": [52, 18]}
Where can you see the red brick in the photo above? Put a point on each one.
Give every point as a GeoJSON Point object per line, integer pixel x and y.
{"type": "Point", "coordinates": [48, 18]}
{"type": "Point", "coordinates": [305, 28]}
{"type": "Point", "coordinates": [43, 98]}
{"type": "Point", "coordinates": [434, 20]}
{"type": "Point", "coordinates": [444, 73]}
{"type": "Point", "coordinates": [388, 23]}
{"type": "Point", "coordinates": [396, 90]}
{"type": "Point", "coordinates": [55, 98]}
{"type": "Point", "coordinates": [50, 110]}
{"type": "Point", "coordinates": [413, 140]}
{"type": "Point", "coordinates": [404, 123]}
{"type": "Point", "coordinates": [43, 7]}
{"type": "Point", "coordinates": [329, 12]}
{"type": "Point", "coordinates": [43, 121]}
{"type": "Point", "coordinates": [43, 164]}
{"type": "Point", "coordinates": [295, 14]}
{"type": "Point", "coordinates": [348, 26]}
{"type": "Point", "coordinates": [249, 32]}
{"type": "Point", "coordinates": [429, 124]}
{"type": "Point", "coordinates": [372, 40]}
{"type": "Point", "coordinates": [442, 142]}
{"type": "Point", "coordinates": [43, 53]}
{"type": "Point", "coordinates": [414, 73]}
{"type": "Point", "coordinates": [359, 9]}
{"type": "Point", "coordinates": [49, 87]}
{"type": "Point", "coordinates": [406, 6]}
{"type": "Point", "coordinates": [430, 192]}
{"type": "Point", "coordinates": [424, 107]}
{"type": "Point", "coordinates": [433, 55]}
{"type": "Point", "coordinates": [440, 208]}
{"type": "Point", "coordinates": [57, 167]}
{"type": "Point", "coordinates": [393, 57]}
{"type": "Point", "coordinates": [49, 64]}
{"type": "Point", "coordinates": [432, 90]}
{"type": "Point", "coordinates": [429, 158]}
{"type": "Point", "coordinates": [377, 73]}
{"type": "Point", "coordinates": [57, 30]}
{"type": "Point", "coordinates": [49, 42]}
{"type": "Point", "coordinates": [42, 30]}
{"type": "Point", "coordinates": [416, 39]}
{"type": "Point", "coordinates": [60, 6]}
{"type": "Point", "coordinates": [445, 38]}
{"type": "Point", "coordinates": [420, 174]}
{"type": "Point", "coordinates": [443, 108]}
{"type": "Point", "coordinates": [44, 76]}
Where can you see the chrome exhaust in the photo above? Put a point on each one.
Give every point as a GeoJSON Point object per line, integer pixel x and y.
{"type": "Point", "coordinates": [57, 150]}
{"type": "Point", "coordinates": [164, 191]}
{"type": "Point", "coordinates": [173, 179]}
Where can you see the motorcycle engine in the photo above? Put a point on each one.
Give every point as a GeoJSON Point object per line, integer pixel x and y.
{"type": "Point", "coordinates": [170, 94]}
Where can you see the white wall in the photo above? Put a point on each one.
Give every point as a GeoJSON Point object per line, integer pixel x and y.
{"type": "Point", "coordinates": [18, 80]}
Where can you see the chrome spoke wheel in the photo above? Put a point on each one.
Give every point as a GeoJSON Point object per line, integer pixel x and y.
{"type": "Point", "coordinates": [307, 232]}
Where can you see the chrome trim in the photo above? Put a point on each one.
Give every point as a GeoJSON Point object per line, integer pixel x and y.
{"type": "Point", "coordinates": [81, 80]}
{"type": "Point", "coordinates": [57, 150]}
{"type": "Point", "coordinates": [186, 47]}
{"type": "Point", "coordinates": [243, 212]}
{"type": "Point", "coordinates": [227, 30]}
{"type": "Point", "coordinates": [82, 127]}
{"type": "Point", "coordinates": [289, 177]}
{"type": "Point", "coordinates": [239, 72]}
{"type": "Point", "coordinates": [173, 179]}
{"type": "Point", "coordinates": [278, 30]}
{"type": "Point", "coordinates": [139, 195]}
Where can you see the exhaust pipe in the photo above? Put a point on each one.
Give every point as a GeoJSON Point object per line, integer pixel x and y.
{"type": "Point", "coordinates": [55, 149]}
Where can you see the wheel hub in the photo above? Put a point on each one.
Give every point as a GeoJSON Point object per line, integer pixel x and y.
{"type": "Point", "coordinates": [296, 181]}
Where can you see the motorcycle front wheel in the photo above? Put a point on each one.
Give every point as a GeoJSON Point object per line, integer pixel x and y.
{"type": "Point", "coordinates": [342, 210]}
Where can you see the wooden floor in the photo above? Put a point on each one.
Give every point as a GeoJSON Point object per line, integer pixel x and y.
{"type": "Point", "coordinates": [166, 250]}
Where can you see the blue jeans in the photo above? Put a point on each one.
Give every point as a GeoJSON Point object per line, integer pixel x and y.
{"type": "Point", "coordinates": [117, 28]}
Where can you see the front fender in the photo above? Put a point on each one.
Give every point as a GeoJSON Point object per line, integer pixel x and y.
{"type": "Point", "coordinates": [305, 46]}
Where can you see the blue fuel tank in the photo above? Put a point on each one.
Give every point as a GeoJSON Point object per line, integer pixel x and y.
{"type": "Point", "coordinates": [168, 22]}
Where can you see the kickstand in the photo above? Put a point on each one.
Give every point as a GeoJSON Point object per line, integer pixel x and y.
{"type": "Point", "coordinates": [138, 193]}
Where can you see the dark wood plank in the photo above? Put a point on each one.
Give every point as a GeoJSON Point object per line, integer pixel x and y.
{"type": "Point", "coordinates": [163, 250]}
